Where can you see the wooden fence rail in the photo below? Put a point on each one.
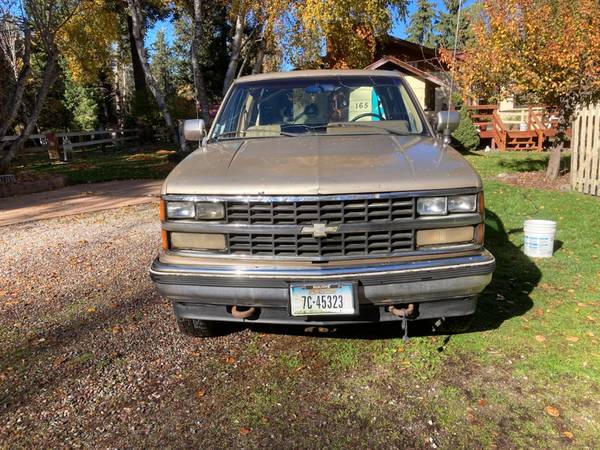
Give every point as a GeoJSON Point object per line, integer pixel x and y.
{"type": "Point", "coordinates": [585, 159]}
{"type": "Point", "coordinates": [66, 142]}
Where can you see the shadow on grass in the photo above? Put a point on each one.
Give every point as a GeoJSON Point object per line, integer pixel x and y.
{"type": "Point", "coordinates": [534, 163]}
{"type": "Point", "coordinates": [507, 296]}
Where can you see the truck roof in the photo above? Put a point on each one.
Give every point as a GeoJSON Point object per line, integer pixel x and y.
{"type": "Point", "coordinates": [317, 74]}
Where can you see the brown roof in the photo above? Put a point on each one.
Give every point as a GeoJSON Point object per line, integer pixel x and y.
{"type": "Point", "coordinates": [404, 67]}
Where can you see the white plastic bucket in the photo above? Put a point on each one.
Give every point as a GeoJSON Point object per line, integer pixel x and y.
{"type": "Point", "coordinates": [539, 238]}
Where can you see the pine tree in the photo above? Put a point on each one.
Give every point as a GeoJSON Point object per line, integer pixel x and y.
{"type": "Point", "coordinates": [420, 30]}
{"type": "Point", "coordinates": [445, 26]}
{"type": "Point", "coordinates": [162, 64]}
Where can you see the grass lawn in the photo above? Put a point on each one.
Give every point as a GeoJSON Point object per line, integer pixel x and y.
{"type": "Point", "coordinates": [93, 166]}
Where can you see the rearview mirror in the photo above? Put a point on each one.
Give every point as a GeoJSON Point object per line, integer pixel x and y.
{"type": "Point", "coordinates": [194, 129]}
{"type": "Point", "coordinates": [447, 120]}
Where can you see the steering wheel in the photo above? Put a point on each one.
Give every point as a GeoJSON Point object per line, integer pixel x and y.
{"type": "Point", "coordinates": [367, 114]}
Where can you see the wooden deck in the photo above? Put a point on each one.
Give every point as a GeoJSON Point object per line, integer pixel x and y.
{"type": "Point", "coordinates": [541, 124]}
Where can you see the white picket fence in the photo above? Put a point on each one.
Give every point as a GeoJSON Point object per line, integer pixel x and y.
{"type": "Point", "coordinates": [585, 158]}
{"type": "Point", "coordinates": [66, 142]}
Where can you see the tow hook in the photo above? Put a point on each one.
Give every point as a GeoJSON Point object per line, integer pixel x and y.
{"type": "Point", "coordinates": [402, 312]}
{"type": "Point", "coordinates": [243, 314]}
{"type": "Point", "coordinates": [405, 313]}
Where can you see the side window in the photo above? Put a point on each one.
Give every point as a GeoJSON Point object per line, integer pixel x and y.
{"type": "Point", "coordinates": [229, 120]}
{"type": "Point", "coordinates": [416, 126]}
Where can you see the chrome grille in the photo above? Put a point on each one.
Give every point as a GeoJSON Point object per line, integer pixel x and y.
{"type": "Point", "coordinates": [336, 244]}
{"type": "Point", "coordinates": [333, 212]}
{"type": "Point", "coordinates": [350, 211]}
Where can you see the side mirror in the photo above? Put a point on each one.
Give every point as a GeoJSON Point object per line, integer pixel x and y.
{"type": "Point", "coordinates": [194, 129]}
{"type": "Point", "coordinates": [447, 120]}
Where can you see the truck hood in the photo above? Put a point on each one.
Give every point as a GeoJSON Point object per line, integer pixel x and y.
{"type": "Point", "coordinates": [322, 164]}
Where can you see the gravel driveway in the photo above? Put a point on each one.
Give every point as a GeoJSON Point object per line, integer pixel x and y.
{"type": "Point", "coordinates": [90, 354]}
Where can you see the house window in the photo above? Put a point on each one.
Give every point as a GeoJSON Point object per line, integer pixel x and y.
{"type": "Point", "coordinates": [429, 97]}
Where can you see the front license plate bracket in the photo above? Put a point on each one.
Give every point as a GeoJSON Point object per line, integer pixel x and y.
{"type": "Point", "coordinates": [323, 299]}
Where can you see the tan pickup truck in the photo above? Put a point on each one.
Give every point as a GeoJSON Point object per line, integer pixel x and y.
{"type": "Point", "coordinates": [321, 198]}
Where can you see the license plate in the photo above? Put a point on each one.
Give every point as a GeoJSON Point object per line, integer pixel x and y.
{"type": "Point", "coordinates": [322, 300]}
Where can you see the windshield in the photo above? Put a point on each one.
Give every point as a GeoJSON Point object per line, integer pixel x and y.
{"type": "Point", "coordinates": [331, 105]}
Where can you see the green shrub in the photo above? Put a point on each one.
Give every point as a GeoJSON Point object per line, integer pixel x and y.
{"type": "Point", "coordinates": [466, 136]}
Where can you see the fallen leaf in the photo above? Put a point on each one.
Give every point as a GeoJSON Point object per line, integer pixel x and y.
{"type": "Point", "coordinates": [482, 402]}
{"type": "Point", "coordinates": [244, 431]}
{"type": "Point", "coordinates": [590, 318]}
{"type": "Point", "coordinates": [58, 361]}
{"type": "Point", "coordinates": [553, 411]}
{"type": "Point", "coordinates": [572, 338]}
{"type": "Point", "coordinates": [568, 435]}
{"type": "Point", "coordinates": [229, 359]}
{"type": "Point", "coordinates": [581, 305]}
{"type": "Point", "coordinates": [540, 338]}
{"type": "Point", "coordinates": [91, 310]}
{"type": "Point", "coordinates": [589, 334]}
{"type": "Point", "coordinates": [200, 393]}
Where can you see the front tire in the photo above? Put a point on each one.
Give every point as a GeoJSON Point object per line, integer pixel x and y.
{"type": "Point", "coordinates": [197, 328]}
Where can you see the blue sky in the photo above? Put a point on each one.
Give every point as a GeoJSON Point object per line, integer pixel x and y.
{"type": "Point", "coordinates": [399, 29]}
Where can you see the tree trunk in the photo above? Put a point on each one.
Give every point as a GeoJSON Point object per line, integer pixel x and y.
{"type": "Point", "coordinates": [260, 50]}
{"type": "Point", "coordinates": [139, 79]}
{"type": "Point", "coordinates": [49, 76]}
{"type": "Point", "coordinates": [201, 97]}
{"type": "Point", "coordinates": [15, 100]}
{"type": "Point", "coordinates": [236, 47]}
{"type": "Point", "coordinates": [138, 36]}
{"type": "Point", "coordinates": [553, 169]}
{"type": "Point", "coordinates": [260, 56]}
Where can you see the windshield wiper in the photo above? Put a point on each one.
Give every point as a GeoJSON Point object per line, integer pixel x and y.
{"type": "Point", "coordinates": [234, 135]}
{"type": "Point", "coordinates": [373, 127]}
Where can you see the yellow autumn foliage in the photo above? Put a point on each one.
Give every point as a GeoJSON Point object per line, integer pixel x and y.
{"type": "Point", "coordinates": [547, 49]}
{"type": "Point", "coordinates": [346, 29]}
{"type": "Point", "coordinates": [86, 40]}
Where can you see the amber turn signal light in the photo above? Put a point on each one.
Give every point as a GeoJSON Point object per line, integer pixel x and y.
{"type": "Point", "coordinates": [164, 240]}
{"type": "Point", "coordinates": [162, 211]}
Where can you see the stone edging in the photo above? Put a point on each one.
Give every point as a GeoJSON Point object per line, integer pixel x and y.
{"type": "Point", "coordinates": [29, 187]}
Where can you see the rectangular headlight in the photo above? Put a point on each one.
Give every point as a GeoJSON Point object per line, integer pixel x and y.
{"type": "Point", "coordinates": [197, 241]}
{"type": "Point", "coordinates": [209, 211]}
{"type": "Point", "coordinates": [462, 203]}
{"type": "Point", "coordinates": [181, 210]}
{"type": "Point", "coordinates": [432, 206]}
{"type": "Point", "coordinates": [443, 236]}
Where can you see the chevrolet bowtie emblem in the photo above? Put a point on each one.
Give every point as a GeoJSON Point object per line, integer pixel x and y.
{"type": "Point", "coordinates": [319, 229]}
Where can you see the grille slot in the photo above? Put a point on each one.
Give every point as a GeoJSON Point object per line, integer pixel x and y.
{"type": "Point", "coordinates": [334, 245]}
{"type": "Point", "coordinates": [333, 212]}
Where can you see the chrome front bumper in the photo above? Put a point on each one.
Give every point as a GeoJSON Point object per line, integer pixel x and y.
{"type": "Point", "coordinates": [203, 292]}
